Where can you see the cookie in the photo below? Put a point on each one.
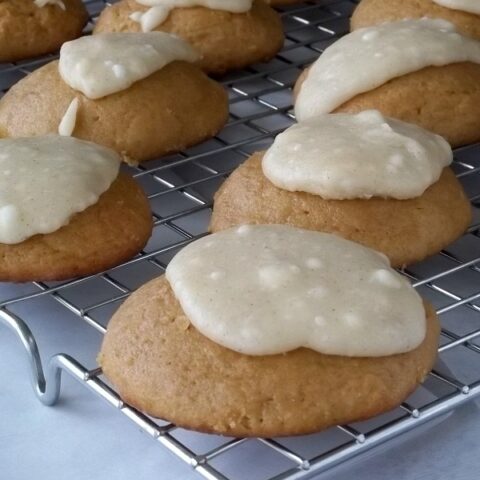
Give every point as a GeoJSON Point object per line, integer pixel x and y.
{"type": "Point", "coordinates": [104, 235]}
{"type": "Point", "coordinates": [372, 12]}
{"type": "Point", "coordinates": [163, 366]}
{"type": "Point", "coordinates": [408, 65]}
{"type": "Point", "coordinates": [414, 98]}
{"type": "Point", "coordinates": [27, 30]}
{"type": "Point", "coordinates": [407, 231]}
{"type": "Point", "coordinates": [226, 41]}
{"type": "Point", "coordinates": [172, 109]}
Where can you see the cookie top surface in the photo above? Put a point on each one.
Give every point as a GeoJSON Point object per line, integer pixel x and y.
{"type": "Point", "coordinates": [471, 6]}
{"type": "Point", "coordinates": [369, 57]}
{"type": "Point", "coordinates": [45, 180]}
{"type": "Point", "coordinates": [103, 64]}
{"type": "Point", "coordinates": [342, 156]}
{"type": "Point", "coordinates": [29, 29]}
{"type": "Point", "coordinates": [263, 290]}
{"type": "Point", "coordinates": [160, 9]}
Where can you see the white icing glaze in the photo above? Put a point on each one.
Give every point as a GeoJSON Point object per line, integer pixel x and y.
{"type": "Point", "coordinates": [472, 6]}
{"type": "Point", "coordinates": [99, 65]}
{"type": "Point", "coordinates": [341, 156]}
{"type": "Point", "coordinates": [67, 124]}
{"type": "Point", "coordinates": [369, 57]}
{"type": "Point", "coordinates": [45, 180]}
{"type": "Point", "coordinates": [150, 19]}
{"type": "Point", "coordinates": [160, 9]}
{"type": "Point", "coordinates": [42, 3]}
{"type": "Point", "coordinates": [264, 290]}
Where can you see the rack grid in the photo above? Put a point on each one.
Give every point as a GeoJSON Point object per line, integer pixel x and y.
{"type": "Point", "coordinates": [181, 187]}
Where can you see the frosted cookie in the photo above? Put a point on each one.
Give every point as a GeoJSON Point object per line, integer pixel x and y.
{"type": "Point", "coordinates": [374, 180]}
{"type": "Point", "coordinates": [420, 71]}
{"type": "Point", "coordinates": [65, 210]}
{"type": "Point", "coordinates": [228, 34]}
{"type": "Point", "coordinates": [246, 337]}
{"type": "Point", "coordinates": [35, 27]}
{"type": "Point", "coordinates": [136, 93]}
{"type": "Point", "coordinates": [464, 14]}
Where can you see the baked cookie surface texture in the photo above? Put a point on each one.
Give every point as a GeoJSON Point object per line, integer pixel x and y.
{"type": "Point", "coordinates": [30, 28]}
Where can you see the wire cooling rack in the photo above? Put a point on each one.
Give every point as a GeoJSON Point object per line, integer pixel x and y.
{"type": "Point", "coordinates": [181, 189]}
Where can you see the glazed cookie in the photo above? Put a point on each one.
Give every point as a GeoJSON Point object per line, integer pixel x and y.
{"type": "Point", "coordinates": [420, 71]}
{"type": "Point", "coordinates": [65, 211]}
{"type": "Point", "coordinates": [229, 35]}
{"type": "Point", "coordinates": [29, 28]}
{"type": "Point", "coordinates": [373, 12]}
{"type": "Point", "coordinates": [215, 349]}
{"type": "Point", "coordinates": [376, 181]}
{"type": "Point", "coordinates": [139, 96]}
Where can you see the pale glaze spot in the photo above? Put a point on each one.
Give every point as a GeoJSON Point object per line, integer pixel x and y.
{"type": "Point", "coordinates": [370, 35]}
{"type": "Point", "coordinates": [244, 229]}
{"type": "Point", "coordinates": [136, 16]}
{"type": "Point", "coordinates": [352, 319]}
{"type": "Point", "coordinates": [317, 291]}
{"type": "Point", "coordinates": [314, 263]}
{"type": "Point", "coordinates": [276, 275]}
{"type": "Point", "coordinates": [217, 275]}
{"type": "Point", "coordinates": [397, 159]}
{"type": "Point", "coordinates": [350, 66]}
{"type": "Point", "coordinates": [53, 196]}
{"type": "Point", "coordinates": [67, 124]}
{"type": "Point", "coordinates": [8, 216]}
{"type": "Point", "coordinates": [471, 6]}
{"type": "Point", "coordinates": [355, 156]}
{"type": "Point", "coordinates": [386, 278]}
{"type": "Point", "coordinates": [42, 3]}
{"type": "Point", "coordinates": [271, 302]}
{"type": "Point", "coordinates": [296, 147]}
{"type": "Point", "coordinates": [160, 10]}
{"type": "Point", "coordinates": [103, 64]}
{"type": "Point", "coordinates": [119, 71]}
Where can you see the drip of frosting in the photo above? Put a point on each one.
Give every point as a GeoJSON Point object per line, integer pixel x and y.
{"type": "Point", "coordinates": [471, 6]}
{"type": "Point", "coordinates": [341, 156]}
{"type": "Point", "coordinates": [42, 3]}
{"type": "Point", "coordinates": [270, 289]}
{"type": "Point", "coordinates": [369, 57]}
{"type": "Point", "coordinates": [67, 124]}
{"type": "Point", "coordinates": [160, 9]}
{"type": "Point", "coordinates": [45, 180]}
{"type": "Point", "coordinates": [100, 65]}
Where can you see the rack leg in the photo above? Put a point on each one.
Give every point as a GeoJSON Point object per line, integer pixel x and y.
{"type": "Point", "coordinates": [46, 384]}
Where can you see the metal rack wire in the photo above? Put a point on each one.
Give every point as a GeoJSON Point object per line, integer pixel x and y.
{"type": "Point", "coordinates": [181, 189]}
